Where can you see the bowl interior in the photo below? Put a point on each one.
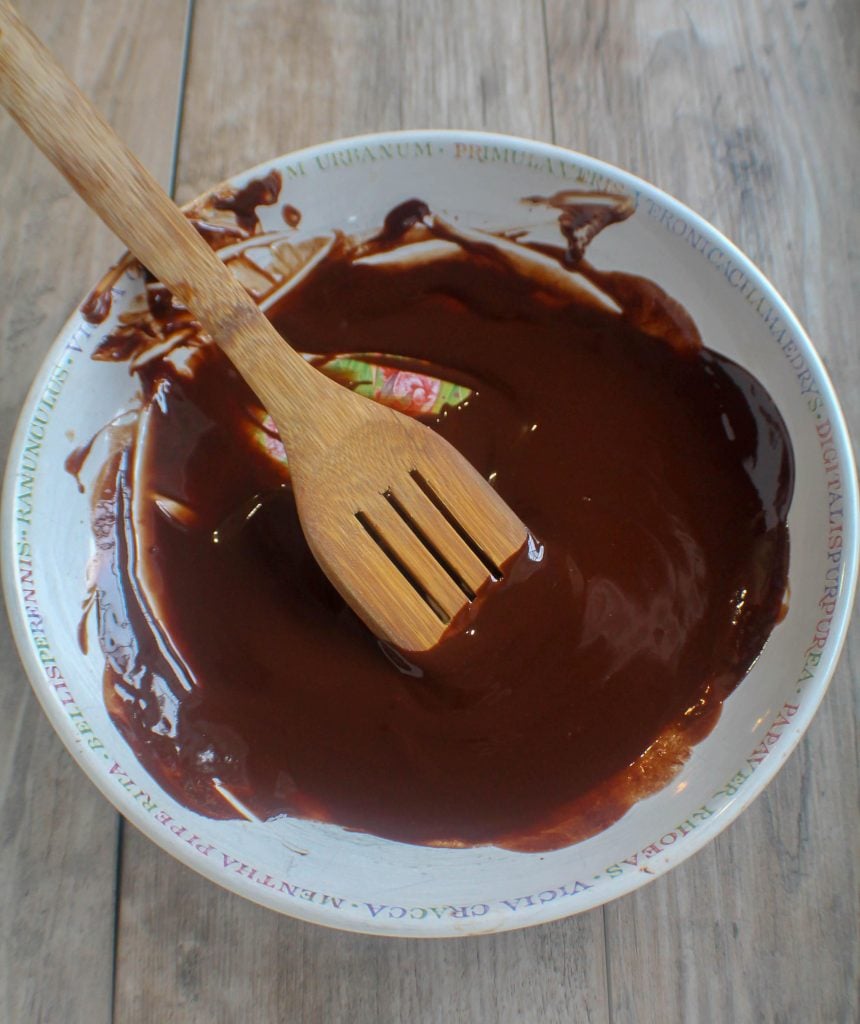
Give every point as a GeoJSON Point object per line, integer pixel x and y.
{"type": "Point", "coordinates": [323, 873]}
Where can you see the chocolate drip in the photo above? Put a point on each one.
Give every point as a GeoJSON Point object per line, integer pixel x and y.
{"type": "Point", "coordinates": [244, 202]}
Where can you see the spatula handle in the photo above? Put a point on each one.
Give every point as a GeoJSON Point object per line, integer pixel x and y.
{"type": "Point", "coordinates": [76, 139]}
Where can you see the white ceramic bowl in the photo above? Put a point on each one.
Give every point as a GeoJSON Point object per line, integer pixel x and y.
{"type": "Point", "coordinates": [322, 873]}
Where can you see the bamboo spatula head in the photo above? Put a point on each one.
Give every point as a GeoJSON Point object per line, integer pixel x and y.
{"type": "Point", "coordinates": [399, 521]}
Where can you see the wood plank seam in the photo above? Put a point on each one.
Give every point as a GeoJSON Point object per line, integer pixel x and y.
{"type": "Point", "coordinates": [171, 188]}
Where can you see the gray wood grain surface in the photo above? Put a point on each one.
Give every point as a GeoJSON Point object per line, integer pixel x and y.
{"type": "Point", "coordinates": [750, 113]}
{"type": "Point", "coordinates": [58, 836]}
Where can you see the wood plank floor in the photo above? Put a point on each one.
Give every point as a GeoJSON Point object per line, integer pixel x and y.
{"type": "Point", "coordinates": [750, 113]}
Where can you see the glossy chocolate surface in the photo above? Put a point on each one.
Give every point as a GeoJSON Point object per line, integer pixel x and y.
{"type": "Point", "coordinates": [654, 474]}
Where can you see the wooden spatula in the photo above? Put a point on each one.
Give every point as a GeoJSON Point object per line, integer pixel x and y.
{"type": "Point", "coordinates": [401, 524]}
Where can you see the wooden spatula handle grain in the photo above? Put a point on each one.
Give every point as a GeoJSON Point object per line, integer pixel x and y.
{"type": "Point", "coordinates": [77, 140]}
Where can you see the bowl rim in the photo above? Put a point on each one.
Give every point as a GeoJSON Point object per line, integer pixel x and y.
{"type": "Point", "coordinates": [672, 857]}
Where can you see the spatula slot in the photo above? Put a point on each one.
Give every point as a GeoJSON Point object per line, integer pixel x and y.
{"type": "Point", "coordinates": [401, 566]}
{"type": "Point", "coordinates": [452, 520]}
{"type": "Point", "coordinates": [428, 543]}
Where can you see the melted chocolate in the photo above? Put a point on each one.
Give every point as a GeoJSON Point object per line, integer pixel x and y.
{"type": "Point", "coordinates": [243, 202]}
{"type": "Point", "coordinates": [655, 474]}
{"type": "Point", "coordinates": [401, 219]}
{"type": "Point", "coordinates": [582, 216]}
{"type": "Point", "coordinates": [217, 235]}
{"type": "Point", "coordinates": [292, 217]}
{"type": "Point", "coordinates": [97, 305]}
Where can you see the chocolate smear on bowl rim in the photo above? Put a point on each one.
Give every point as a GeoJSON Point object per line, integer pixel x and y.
{"type": "Point", "coordinates": [657, 475]}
